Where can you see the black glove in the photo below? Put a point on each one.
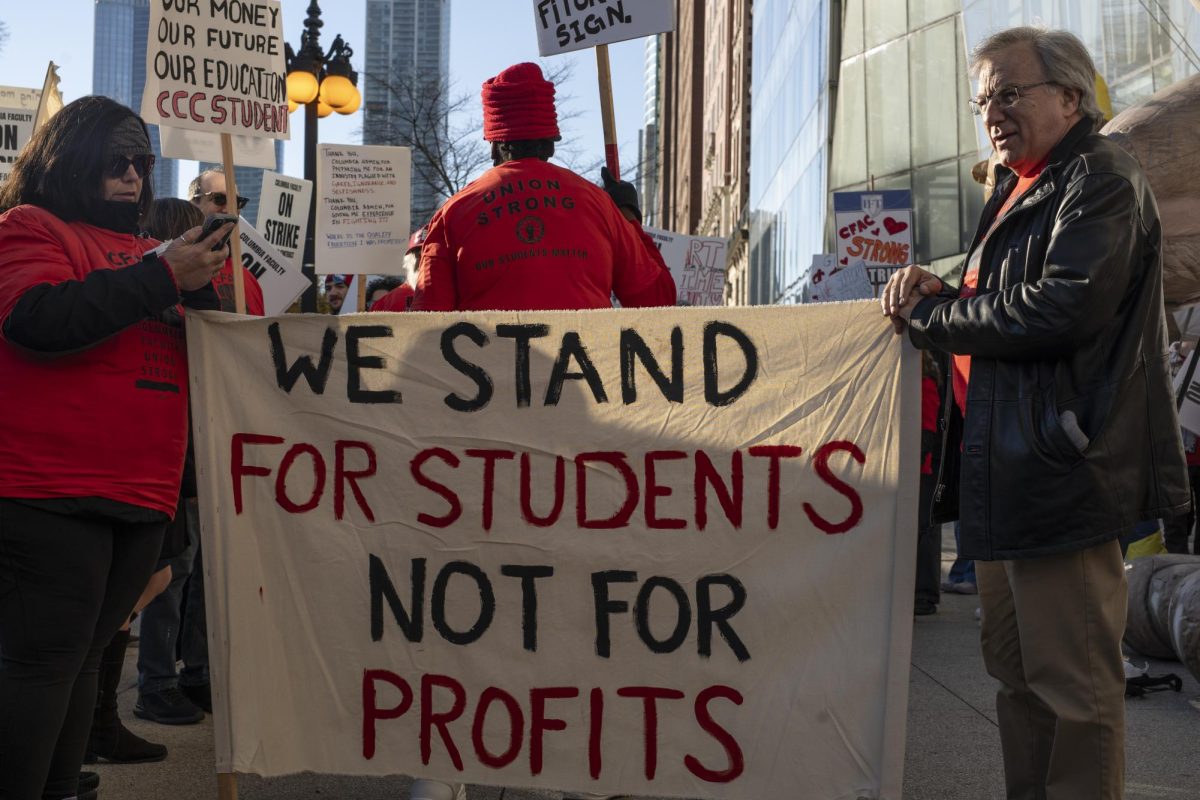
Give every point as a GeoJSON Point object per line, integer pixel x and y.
{"type": "Point", "coordinates": [623, 193]}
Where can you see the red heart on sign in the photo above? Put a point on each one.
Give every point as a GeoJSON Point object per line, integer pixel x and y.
{"type": "Point", "coordinates": [844, 260]}
{"type": "Point", "coordinates": [874, 231]}
{"type": "Point", "coordinates": [894, 226]}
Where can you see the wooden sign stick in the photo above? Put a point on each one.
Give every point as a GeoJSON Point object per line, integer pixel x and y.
{"type": "Point", "coordinates": [361, 282]}
{"type": "Point", "coordinates": [235, 242]}
{"type": "Point", "coordinates": [607, 117]}
{"type": "Point", "coordinates": [227, 786]}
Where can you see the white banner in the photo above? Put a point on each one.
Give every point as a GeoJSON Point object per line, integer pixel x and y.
{"type": "Point", "coordinates": [280, 278]}
{"type": "Point", "coordinates": [697, 264]}
{"type": "Point", "coordinates": [629, 552]}
{"type": "Point", "coordinates": [17, 108]}
{"type": "Point", "coordinates": [566, 25]}
{"type": "Point", "coordinates": [216, 66]}
{"type": "Point", "coordinates": [283, 213]}
{"type": "Point", "coordinates": [363, 209]}
{"type": "Point", "coordinates": [248, 151]}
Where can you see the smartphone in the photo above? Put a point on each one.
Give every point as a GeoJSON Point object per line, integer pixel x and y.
{"type": "Point", "coordinates": [215, 221]}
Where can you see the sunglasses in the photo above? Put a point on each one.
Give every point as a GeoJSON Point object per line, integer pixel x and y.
{"type": "Point", "coordinates": [219, 198]}
{"type": "Point", "coordinates": [142, 164]}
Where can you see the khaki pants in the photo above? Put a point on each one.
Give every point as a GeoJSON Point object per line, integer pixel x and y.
{"type": "Point", "coordinates": [1051, 634]}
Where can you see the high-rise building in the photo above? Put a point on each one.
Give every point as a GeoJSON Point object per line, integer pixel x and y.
{"type": "Point", "coordinates": [852, 95]}
{"type": "Point", "coordinates": [647, 164]}
{"type": "Point", "coordinates": [406, 85]}
{"type": "Point", "coordinates": [119, 72]}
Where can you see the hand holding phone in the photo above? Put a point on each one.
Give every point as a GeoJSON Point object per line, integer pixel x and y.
{"type": "Point", "coordinates": [212, 223]}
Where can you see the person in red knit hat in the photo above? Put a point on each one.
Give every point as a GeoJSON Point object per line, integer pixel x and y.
{"type": "Point", "coordinates": [531, 235]}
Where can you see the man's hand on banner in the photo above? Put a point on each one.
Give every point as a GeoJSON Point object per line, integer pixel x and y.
{"type": "Point", "coordinates": [903, 290]}
{"type": "Point", "coordinates": [193, 262]}
{"type": "Point", "coordinates": [623, 193]}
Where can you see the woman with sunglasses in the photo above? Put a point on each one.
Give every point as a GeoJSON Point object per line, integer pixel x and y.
{"type": "Point", "coordinates": [93, 405]}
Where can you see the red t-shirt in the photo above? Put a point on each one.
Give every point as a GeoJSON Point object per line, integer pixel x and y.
{"type": "Point", "coordinates": [398, 299]}
{"type": "Point", "coordinates": [223, 283]}
{"type": "Point", "coordinates": [960, 371]}
{"type": "Point", "coordinates": [109, 421]}
{"type": "Point", "coordinates": [529, 235]}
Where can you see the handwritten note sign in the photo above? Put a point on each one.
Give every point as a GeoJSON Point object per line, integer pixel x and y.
{"type": "Point", "coordinates": [217, 65]}
{"type": "Point", "coordinates": [697, 264]}
{"type": "Point", "coordinates": [17, 108]}
{"type": "Point", "coordinates": [566, 25]}
{"type": "Point", "coordinates": [363, 209]}
{"type": "Point", "coordinates": [876, 228]}
{"type": "Point", "coordinates": [579, 551]}
{"type": "Point", "coordinates": [283, 213]}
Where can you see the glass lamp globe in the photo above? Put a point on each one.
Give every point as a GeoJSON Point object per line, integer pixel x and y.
{"type": "Point", "coordinates": [337, 91]}
{"type": "Point", "coordinates": [301, 86]}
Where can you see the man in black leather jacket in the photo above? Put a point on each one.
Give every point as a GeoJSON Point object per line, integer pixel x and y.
{"type": "Point", "coordinates": [1061, 431]}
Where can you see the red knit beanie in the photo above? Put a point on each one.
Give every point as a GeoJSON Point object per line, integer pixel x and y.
{"type": "Point", "coordinates": [518, 105]}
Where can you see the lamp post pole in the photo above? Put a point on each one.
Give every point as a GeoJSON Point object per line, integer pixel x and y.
{"type": "Point", "coordinates": [308, 302]}
{"type": "Point", "coordinates": [322, 83]}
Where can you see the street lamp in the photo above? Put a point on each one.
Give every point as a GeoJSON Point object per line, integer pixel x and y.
{"type": "Point", "coordinates": [323, 83]}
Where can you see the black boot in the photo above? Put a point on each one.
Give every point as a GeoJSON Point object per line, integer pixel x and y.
{"type": "Point", "coordinates": [110, 740]}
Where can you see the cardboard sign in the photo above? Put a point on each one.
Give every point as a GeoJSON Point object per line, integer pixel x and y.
{"type": "Point", "coordinates": [566, 25]}
{"type": "Point", "coordinates": [363, 209]}
{"type": "Point", "coordinates": [283, 213]}
{"type": "Point", "coordinates": [663, 554]}
{"type": "Point", "coordinates": [876, 228]}
{"type": "Point", "coordinates": [17, 109]}
{"type": "Point", "coordinates": [280, 278]}
{"type": "Point", "coordinates": [217, 66]}
{"type": "Point", "coordinates": [848, 283]}
{"type": "Point", "coordinates": [248, 151]}
{"type": "Point", "coordinates": [697, 264]}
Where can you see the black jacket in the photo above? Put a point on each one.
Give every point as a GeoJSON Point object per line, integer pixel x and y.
{"type": "Point", "coordinates": [1071, 434]}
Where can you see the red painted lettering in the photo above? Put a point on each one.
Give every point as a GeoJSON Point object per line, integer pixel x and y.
{"type": "Point", "coordinates": [774, 453]}
{"type": "Point", "coordinates": [238, 466]}
{"type": "Point", "coordinates": [343, 476]}
{"type": "Point", "coordinates": [489, 479]}
{"type": "Point", "coordinates": [653, 491]}
{"type": "Point", "coordinates": [650, 696]}
{"type": "Point", "coordinates": [821, 465]}
{"type": "Point", "coordinates": [540, 723]}
{"type": "Point", "coordinates": [371, 709]}
{"type": "Point", "coordinates": [442, 490]}
{"type": "Point", "coordinates": [516, 728]}
{"type": "Point", "coordinates": [431, 719]}
{"type": "Point", "coordinates": [616, 460]}
{"type": "Point", "coordinates": [737, 762]}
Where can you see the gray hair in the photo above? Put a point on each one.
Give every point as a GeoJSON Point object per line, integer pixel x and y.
{"type": "Point", "coordinates": [198, 181]}
{"type": "Point", "coordinates": [1064, 58]}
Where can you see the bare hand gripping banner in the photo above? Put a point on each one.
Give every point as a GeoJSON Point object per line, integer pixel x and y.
{"type": "Point", "coordinates": [663, 553]}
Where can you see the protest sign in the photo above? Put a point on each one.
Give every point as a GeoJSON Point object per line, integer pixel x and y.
{"type": "Point", "coordinates": [248, 151]}
{"type": "Point", "coordinates": [875, 227]}
{"type": "Point", "coordinates": [566, 25]}
{"type": "Point", "coordinates": [363, 208]}
{"type": "Point", "coordinates": [283, 213]}
{"type": "Point", "coordinates": [823, 265]}
{"type": "Point", "coordinates": [279, 278]}
{"type": "Point", "coordinates": [216, 66]}
{"type": "Point", "coordinates": [17, 109]}
{"type": "Point", "coordinates": [847, 283]}
{"type": "Point", "coordinates": [626, 552]}
{"type": "Point", "coordinates": [697, 264]}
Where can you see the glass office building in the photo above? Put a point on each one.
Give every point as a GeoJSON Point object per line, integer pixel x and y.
{"type": "Point", "coordinates": [408, 44]}
{"type": "Point", "coordinates": [119, 72]}
{"type": "Point", "coordinates": [896, 116]}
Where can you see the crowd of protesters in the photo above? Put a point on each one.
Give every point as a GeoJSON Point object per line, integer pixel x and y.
{"type": "Point", "coordinates": [98, 498]}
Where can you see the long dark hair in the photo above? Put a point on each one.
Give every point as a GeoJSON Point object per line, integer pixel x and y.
{"type": "Point", "coordinates": [62, 168]}
{"type": "Point", "coordinates": [170, 217]}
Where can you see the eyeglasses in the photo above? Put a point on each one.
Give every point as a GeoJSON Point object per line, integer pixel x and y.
{"type": "Point", "coordinates": [1006, 96]}
{"type": "Point", "coordinates": [219, 198]}
{"type": "Point", "coordinates": [142, 165]}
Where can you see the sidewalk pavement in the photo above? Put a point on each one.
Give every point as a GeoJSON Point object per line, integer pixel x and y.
{"type": "Point", "coordinates": [953, 748]}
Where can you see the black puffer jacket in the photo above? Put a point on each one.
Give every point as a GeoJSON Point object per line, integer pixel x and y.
{"type": "Point", "coordinates": [1071, 433]}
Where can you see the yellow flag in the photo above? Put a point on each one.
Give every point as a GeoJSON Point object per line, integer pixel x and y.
{"type": "Point", "coordinates": [52, 100]}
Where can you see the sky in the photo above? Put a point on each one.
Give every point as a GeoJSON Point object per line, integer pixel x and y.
{"type": "Point", "coordinates": [484, 39]}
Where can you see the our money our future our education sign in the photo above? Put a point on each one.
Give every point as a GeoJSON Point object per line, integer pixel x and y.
{"type": "Point", "coordinates": [615, 551]}
{"type": "Point", "coordinates": [363, 208]}
{"type": "Point", "coordinates": [217, 66]}
{"type": "Point", "coordinates": [17, 109]}
{"type": "Point", "coordinates": [697, 264]}
{"type": "Point", "coordinates": [875, 228]}
{"type": "Point", "coordinates": [566, 25]}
